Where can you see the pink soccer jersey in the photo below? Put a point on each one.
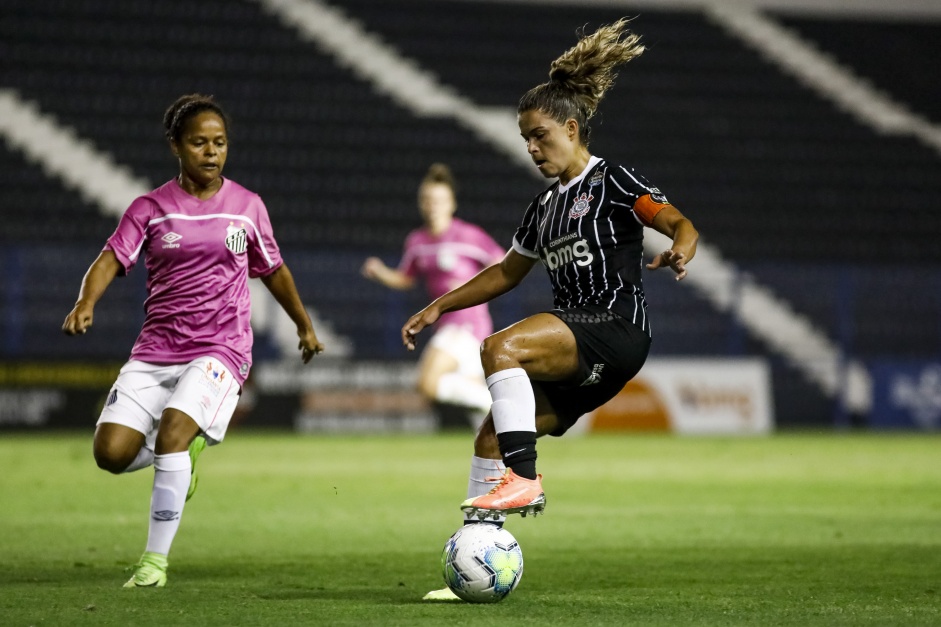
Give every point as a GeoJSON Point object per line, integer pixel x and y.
{"type": "Point", "coordinates": [450, 260]}
{"type": "Point", "coordinates": [199, 255]}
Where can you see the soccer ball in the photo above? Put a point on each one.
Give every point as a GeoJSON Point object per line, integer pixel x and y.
{"type": "Point", "coordinates": [482, 563]}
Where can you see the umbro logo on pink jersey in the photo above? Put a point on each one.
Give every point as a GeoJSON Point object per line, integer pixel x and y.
{"type": "Point", "coordinates": [171, 238]}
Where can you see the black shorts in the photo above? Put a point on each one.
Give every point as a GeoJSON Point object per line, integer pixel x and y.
{"type": "Point", "coordinates": [611, 351]}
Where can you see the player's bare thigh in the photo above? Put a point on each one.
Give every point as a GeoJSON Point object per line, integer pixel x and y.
{"type": "Point", "coordinates": [177, 430]}
{"type": "Point", "coordinates": [542, 345]}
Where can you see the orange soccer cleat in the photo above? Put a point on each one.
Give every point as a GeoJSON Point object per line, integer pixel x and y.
{"type": "Point", "coordinates": [513, 495]}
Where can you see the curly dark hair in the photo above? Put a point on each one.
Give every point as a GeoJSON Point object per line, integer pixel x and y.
{"type": "Point", "coordinates": [185, 107]}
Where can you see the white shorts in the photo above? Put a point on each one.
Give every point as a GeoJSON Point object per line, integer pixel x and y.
{"type": "Point", "coordinates": [203, 389]}
{"type": "Point", "coordinates": [458, 342]}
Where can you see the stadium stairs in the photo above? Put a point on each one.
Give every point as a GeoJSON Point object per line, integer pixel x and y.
{"type": "Point", "coordinates": [799, 195]}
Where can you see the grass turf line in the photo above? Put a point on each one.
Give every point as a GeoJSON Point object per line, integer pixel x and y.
{"type": "Point", "coordinates": [647, 530]}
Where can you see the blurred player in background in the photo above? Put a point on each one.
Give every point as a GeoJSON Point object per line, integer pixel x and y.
{"type": "Point", "coordinates": [445, 253]}
{"type": "Point", "coordinates": [587, 229]}
{"type": "Point", "coordinates": [201, 236]}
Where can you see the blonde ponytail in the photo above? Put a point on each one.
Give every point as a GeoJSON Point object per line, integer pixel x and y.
{"type": "Point", "coordinates": [579, 78]}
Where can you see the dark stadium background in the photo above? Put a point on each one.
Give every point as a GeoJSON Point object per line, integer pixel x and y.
{"type": "Point", "coordinates": [840, 220]}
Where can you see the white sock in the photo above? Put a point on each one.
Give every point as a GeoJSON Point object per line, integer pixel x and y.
{"type": "Point", "coordinates": [481, 470]}
{"type": "Point", "coordinates": [171, 481]}
{"type": "Point", "coordinates": [458, 389]}
{"type": "Point", "coordinates": [514, 405]}
{"type": "Point", "coordinates": [145, 457]}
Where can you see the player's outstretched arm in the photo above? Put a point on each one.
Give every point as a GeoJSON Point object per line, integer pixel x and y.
{"type": "Point", "coordinates": [99, 276]}
{"type": "Point", "coordinates": [281, 285]}
{"type": "Point", "coordinates": [376, 270]}
{"type": "Point", "coordinates": [673, 224]}
{"type": "Point", "coordinates": [484, 287]}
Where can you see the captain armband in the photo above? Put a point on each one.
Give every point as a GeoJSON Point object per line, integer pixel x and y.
{"type": "Point", "coordinates": [646, 208]}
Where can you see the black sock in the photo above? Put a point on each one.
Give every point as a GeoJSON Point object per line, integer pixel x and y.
{"type": "Point", "coordinates": [518, 449]}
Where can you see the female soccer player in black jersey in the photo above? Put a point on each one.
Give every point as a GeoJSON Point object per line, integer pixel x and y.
{"type": "Point", "coordinates": [544, 372]}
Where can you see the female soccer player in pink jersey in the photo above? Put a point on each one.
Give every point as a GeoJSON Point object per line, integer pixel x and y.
{"type": "Point", "coordinates": [587, 229]}
{"type": "Point", "coordinates": [446, 252]}
{"type": "Point", "coordinates": [201, 237]}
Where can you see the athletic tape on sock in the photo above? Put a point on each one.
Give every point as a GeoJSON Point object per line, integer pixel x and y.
{"type": "Point", "coordinates": [173, 462]}
{"type": "Point", "coordinates": [509, 373]}
{"type": "Point", "coordinates": [514, 405]}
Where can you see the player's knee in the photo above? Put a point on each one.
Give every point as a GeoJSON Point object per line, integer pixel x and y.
{"type": "Point", "coordinates": [111, 457]}
{"type": "Point", "coordinates": [498, 352]}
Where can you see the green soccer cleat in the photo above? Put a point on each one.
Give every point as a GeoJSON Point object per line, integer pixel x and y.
{"type": "Point", "coordinates": [196, 447]}
{"type": "Point", "coordinates": [149, 572]}
{"type": "Point", "coordinates": [444, 594]}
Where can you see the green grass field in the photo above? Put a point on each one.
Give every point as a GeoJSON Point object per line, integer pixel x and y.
{"type": "Point", "coordinates": [643, 530]}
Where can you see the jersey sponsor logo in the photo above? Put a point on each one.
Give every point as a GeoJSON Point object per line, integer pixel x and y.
{"type": "Point", "coordinates": [171, 240]}
{"type": "Point", "coordinates": [657, 196]}
{"type": "Point", "coordinates": [595, 376]}
{"type": "Point", "coordinates": [581, 206]}
{"type": "Point", "coordinates": [215, 373]}
{"type": "Point", "coordinates": [565, 250]}
{"type": "Point", "coordinates": [213, 376]}
{"type": "Point", "coordinates": [236, 238]}
{"type": "Point", "coordinates": [112, 398]}
{"type": "Point", "coordinates": [596, 179]}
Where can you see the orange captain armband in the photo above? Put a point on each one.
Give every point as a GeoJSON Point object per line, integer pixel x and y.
{"type": "Point", "coordinates": [646, 209]}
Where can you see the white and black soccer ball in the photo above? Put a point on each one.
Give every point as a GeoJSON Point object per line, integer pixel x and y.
{"type": "Point", "coordinates": [482, 563]}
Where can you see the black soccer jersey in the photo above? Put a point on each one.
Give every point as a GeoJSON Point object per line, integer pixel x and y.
{"type": "Point", "coordinates": [589, 234]}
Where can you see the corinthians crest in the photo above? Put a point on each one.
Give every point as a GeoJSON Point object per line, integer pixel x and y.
{"type": "Point", "coordinates": [581, 206]}
{"type": "Point", "coordinates": [236, 238]}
